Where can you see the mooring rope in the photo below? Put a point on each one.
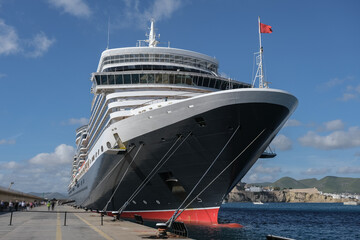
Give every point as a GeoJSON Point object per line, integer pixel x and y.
{"type": "Point", "coordinates": [131, 148]}
{"type": "Point", "coordinates": [202, 177]}
{"type": "Point", "coordinates": [169, 225]}
{"type": "Point", "coordinates": [153, 172]}
{"type": "Point", "coordinates": [123, 176]}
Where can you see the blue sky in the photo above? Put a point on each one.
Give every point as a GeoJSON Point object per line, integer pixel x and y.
{"type": "Point", "coordinates": [49, 48]}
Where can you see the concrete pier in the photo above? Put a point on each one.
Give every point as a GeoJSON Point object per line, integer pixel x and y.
{"type": "Point", "coordinates": [42, 224]}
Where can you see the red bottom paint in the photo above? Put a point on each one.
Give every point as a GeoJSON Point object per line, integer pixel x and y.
{"type": "Point", "coordinates": [194, 216]}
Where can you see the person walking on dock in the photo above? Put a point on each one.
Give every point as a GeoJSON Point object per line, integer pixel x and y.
{"type": "Point", "coordinates": [52, 205]}
{"type": "Point", "coordinates": [48, 205]}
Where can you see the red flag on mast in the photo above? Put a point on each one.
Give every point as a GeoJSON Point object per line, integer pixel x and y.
{"type": "Point", "coordinates": [265, 28]}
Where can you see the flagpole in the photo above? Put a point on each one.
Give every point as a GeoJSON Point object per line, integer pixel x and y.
{"type": "Point", "coordinates": [261, 77]}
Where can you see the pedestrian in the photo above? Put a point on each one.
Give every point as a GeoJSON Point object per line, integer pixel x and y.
{"type": "Point", "coordinates": [52, 205]}
{"type": "Point", "coordinates": [16, 205]}
{"type": "Point", "coordinates": [48, 205]}
{"type": "Point", "coordinates": [11, 205]}
{"type": "Point", "coordinates": [2, 206]}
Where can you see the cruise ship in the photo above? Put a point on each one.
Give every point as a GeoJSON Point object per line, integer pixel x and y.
{"type": "Point", "coordinates": [168, 137]}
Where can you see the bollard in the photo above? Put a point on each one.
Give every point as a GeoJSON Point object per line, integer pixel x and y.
{"type": "Point", "coordinates": [65, 219]}
{"type": "Point", "coordinates": [11, 218]}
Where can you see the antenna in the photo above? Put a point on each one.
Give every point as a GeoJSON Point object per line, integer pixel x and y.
{"type": "Point", "coordinates": [152, 35]}
{"type": "Point", "coordinates": [108, 35]}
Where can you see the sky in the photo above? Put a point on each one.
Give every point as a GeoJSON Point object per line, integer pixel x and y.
{"type": "Point", "coordinates": [49, 48]}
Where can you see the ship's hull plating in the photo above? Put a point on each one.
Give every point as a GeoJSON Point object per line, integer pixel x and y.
{"type": "Point", "coordinates": [185, 150]}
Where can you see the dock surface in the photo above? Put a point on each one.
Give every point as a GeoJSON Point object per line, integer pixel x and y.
{"type": "Point", "coordinates": [42, 224]}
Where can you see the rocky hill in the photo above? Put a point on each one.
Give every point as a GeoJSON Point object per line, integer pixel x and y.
{"type": "Point", "coordinates": [328, 184]}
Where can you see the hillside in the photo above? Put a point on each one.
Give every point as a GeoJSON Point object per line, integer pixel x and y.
{"type": "Point", "coordinates": [328, 184]}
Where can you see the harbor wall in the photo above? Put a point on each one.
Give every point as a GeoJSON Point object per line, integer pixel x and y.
{"type": "Point", "coordinates": [11, 195]}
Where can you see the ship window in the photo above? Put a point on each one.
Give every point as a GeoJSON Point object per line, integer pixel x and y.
{"type": "Point", "coordinates": [178, 79]}
{"type": "Point", "coordinates": [135, 78]}
{"type": "Point", "coordinates": [171, 79]}
{"type": "Point", "coordinates": [158, 78]}
{"type": "Point", "coordinates": [206, 82]}
{"type": "Point", "coordinates": [119, 79]}
{"type": "Point", "coordinates": [143, 78]}
{"type": "Point", "coordinates": [165, 78]}
{"type": "Point", "coordinates": [217, 85]}
{"type": "Point", "coordinates": [151, 78]}
{"type": "Point", "coordinates": [103, 79]}
{"type": "Point", "coordinates": [102, 148]}
{"type": "Point", "coordinates": [188, 80]}
{"type": "Point", "coordinates": [97, 78]}
{"type": "Point", "coordinates": [200, 81]}
{"type": "Point", "coordinates": [127, 79]}
{"type": "Point", "coordinates": [111, 79]}
{"type": "Point", "coordinates": [212, 83]}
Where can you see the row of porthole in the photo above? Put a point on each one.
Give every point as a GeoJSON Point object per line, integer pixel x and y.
{"type": "Point", "coordinates": [145, 202]}
{"type": "Point", "coordinates": [97, 154]}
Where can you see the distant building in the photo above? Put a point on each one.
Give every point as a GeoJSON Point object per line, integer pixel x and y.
{"type": "Point", "coordinates": [305, 190]}
{"type": "Point", "coordinates": [254, 189]}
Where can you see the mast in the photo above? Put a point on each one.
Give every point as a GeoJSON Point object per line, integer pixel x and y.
{"type": "Point", "coordinates": [259, 62]}
{"type": "Point", "coordinates": [152, 36]}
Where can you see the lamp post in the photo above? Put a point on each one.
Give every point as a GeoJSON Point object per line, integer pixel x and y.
{"type": "Point", "coordinates": [10, 185]}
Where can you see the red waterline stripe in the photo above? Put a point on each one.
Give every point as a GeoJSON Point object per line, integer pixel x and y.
{"type": "Point", "coordinates": [196, 216]}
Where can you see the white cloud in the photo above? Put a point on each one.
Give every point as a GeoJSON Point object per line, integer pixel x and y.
{"type": "Point", "coordinates": [138, 13]}
{"type": "Point", "coordinates": [270, 170]}
{"type": "Point", "coordinates": [334, 125]}
{"type": "Point", "coordinates": [63, 154]}
{"type": "Point", "coordinates": [9, 165]}
{"type": "Point", "coordinates": [77, 8]}
{"type": "Point", "coordinates": [335, 140]}
{"type": "Point", "coordinates": [10, 43]}
{"type": "Point", "coordinates": [281, 142]}
{"type": "Point", "coordinates": [40, 44]}
{"type": "Point", "coordinates": [352, 92]}
{"type": "Point", "coordinates": [292, 123]}
{"type": "Point", "coordinates": [162, 9]}
{"type": "Point", "coordinates": [78, 121]}
{"type": "Point", "coordinates": [348, 170]}
{"type": "Point", "coordinates": [46, 172]}
{"type": "Point", "coordinates": [318, 171]}
{"type": "Point", "coordinates": [9, 40]}
{"type": "Point", "coordinates": [7, 141]}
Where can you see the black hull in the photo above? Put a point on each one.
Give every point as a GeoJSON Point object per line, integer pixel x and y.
{"type": "Point", "coordinates": [258, 123]}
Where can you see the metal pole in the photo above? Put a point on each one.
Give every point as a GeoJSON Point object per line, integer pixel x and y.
{"type": "Point", "coordinates": [11, 218]}
{"type": "Point", "coordinates": [65, 219]}
{"type": "Point", "coordinates": [261, 77]}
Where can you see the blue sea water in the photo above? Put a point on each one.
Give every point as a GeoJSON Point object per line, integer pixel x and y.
{"type": "Point", "coordinates": [291, 220]}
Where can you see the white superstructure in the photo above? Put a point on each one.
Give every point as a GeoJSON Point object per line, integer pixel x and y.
{"type": "Point", "coordinates": [137, 80]}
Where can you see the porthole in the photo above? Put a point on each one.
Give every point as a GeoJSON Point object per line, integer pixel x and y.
{"type": "Point", "coordinates": [157, 201]}
{"type": "Point", "coordinates": [145, 202]}
{"type": "Point", "coordinates": [133, 201]}
{"type": "Point", "coordinates": [102, 148]}
{"type": "Point", "coordinates": [108, 144]}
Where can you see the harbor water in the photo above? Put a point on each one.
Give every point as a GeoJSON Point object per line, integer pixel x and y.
{"type": "Point", "coordinates": [291, 220]}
